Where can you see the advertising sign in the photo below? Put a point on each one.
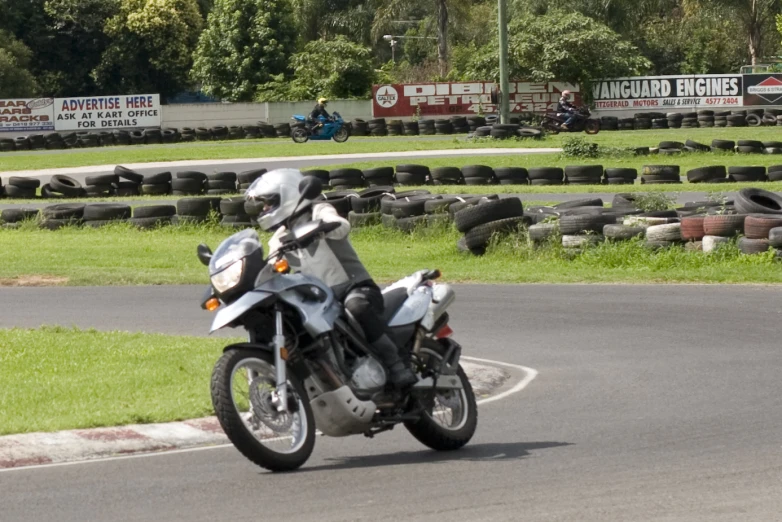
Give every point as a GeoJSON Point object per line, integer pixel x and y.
{"type": "Point", "coordinates": [27, 115]}
{"type": "Point", "coordinates": [107, 112]}
{"type": "Point", "coordinates": [448, 99]}
{"type": "Point", "coordinates": [762, 89]}
{"type": "Point", "coordinates": [669, 92]}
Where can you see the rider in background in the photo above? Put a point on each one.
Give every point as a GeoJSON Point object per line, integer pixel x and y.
{"type": "Point", "coordinates": [320, 112]}
{"type": "Point", "coordinates": [565, 107]}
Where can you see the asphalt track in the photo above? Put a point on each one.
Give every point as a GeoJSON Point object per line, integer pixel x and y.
{"type": "Point", "coordinates": [651, 403]}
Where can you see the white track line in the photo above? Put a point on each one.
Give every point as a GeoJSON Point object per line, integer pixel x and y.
{"type": "Point", "coordinates": [529, 376]}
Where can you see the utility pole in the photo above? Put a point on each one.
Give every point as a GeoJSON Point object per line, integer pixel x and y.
{"type": "Point", "coordinates": [504, 108]}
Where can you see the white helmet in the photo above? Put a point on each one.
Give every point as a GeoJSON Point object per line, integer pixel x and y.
{"type": "Point", "coordinates": [279, 191]}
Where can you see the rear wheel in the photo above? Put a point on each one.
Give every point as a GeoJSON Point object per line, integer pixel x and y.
{"type": "Point", "coordinates": [450, 417]}
{"type": "Point", "coordinates": [242, 385]}
{"type": "Point", "coordinates": [592, 127]}
{"type": "Point", "coordinates": [341, 136]}
{"type": "Point", "coordinates": [300, 135]}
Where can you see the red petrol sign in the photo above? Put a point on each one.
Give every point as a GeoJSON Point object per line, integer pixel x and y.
{"type": "Point", "coordinates": [447, 99]}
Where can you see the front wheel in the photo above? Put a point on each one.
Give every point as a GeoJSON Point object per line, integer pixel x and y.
{"type": "Point", "coordinates": [341, 136]}
{"type": "Point", "coordinates": [592, 127]}
{"type": "Point", "coordinates": [300, 135]}
{"type": "Point", "coordinates": [451, 417]}
{"type": "Point", "coordinates": [242, 386]}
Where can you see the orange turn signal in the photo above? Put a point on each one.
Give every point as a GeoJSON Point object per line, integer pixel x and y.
{"type": "Point", "coordinates": [281, 266]}
{"type": "Point", "coordinates": [284, 353]}
{"type": "Point", "coordinates": [212, 304]}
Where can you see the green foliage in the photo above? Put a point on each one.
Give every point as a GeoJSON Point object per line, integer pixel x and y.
{"type": "Point", "coordinates": [151, 46]}
{"type": "Point", "coordinates": [652, 201]}
{"type": "Point", "coordinates": [245, 44]}
{"type": "Point", "coordinates": [579, 147]}
{"type": "Point", "coordinates": [560, 46]}
{"type": "Point", "coordinates": [16, 81]}
{"type": "Point", "coordinates": [337, 69]}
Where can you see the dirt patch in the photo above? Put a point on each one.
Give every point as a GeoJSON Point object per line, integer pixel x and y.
{"type": "Point", "coordinates": [33, 280]}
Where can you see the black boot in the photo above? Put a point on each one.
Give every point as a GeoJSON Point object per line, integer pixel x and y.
{"type": "Point", "coordinates": [400, 374]}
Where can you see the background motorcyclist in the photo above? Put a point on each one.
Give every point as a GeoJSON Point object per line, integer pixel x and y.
{"type": "Point", "coordinates": [320, 112]}
{"type": "Point", "coordinates": [565, 107]}
{"type": "Point", "coordinates": [331, 259]}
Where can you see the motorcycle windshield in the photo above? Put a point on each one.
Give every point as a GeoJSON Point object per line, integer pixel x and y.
{"type": "Point", "coordinates": [236, 247]}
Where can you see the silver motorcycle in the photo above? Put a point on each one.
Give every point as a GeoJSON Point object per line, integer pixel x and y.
{"type": "Point", "coordinates": [306, 364]}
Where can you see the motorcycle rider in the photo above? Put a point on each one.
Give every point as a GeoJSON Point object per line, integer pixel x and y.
{"type": "Point", "coordinates": [565, 107]}
{"type": "Point", "coordinates": [331, 259]}
{"type": "Point", "coordinates": [318, 112]}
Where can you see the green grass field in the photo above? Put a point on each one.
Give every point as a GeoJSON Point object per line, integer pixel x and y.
{"type": "Point", "coordinates": [59, 378]}
{"type": "Point", "coordinates": [120, 255]}
{"type": "Point", "coordinates": [27, 160]}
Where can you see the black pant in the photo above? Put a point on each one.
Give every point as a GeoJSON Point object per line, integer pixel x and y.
{"type": "Point", "coordinates": [365, 303]}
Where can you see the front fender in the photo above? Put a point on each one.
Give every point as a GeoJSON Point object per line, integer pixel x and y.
{"type": "Point", "coordinates": [250, 346]}
{"type": "Point", "coordinates": [227, 315]}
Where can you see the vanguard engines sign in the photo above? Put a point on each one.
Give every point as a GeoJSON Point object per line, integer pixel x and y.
{"type": "Point", "coordinates": [669, 92]}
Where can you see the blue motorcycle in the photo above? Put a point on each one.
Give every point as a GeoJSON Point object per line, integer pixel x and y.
{"type": "Point", "coordinates": [332, 129]}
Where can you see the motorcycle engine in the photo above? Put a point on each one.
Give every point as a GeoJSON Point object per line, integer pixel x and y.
{"type": "Point", "coordinates": [368, 377]}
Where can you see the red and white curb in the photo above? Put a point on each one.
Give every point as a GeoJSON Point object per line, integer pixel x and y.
{"type": "Point", "coordinates": [37, 449]}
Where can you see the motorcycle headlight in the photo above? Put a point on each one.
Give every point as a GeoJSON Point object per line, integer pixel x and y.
{"type": "Point", "coordinates": [228, 278]}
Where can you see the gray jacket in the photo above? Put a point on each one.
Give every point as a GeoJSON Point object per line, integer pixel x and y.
{"type": "Point", "coordinates": [331, 259]}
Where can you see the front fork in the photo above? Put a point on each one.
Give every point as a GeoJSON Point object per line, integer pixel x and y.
{"type": "Point", "coordinates": [280, 394]}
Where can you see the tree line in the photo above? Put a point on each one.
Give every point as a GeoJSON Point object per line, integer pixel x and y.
{"type": "Point", "coordinates": [275, 50]}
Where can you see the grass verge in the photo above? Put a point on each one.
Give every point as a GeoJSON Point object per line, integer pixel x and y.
{"type": "Point", "coordinates": [120, 255]}
{"type": "Point", "coordinates": [265, 148]}
{"type": "Point", "coordinates": [62, 378]}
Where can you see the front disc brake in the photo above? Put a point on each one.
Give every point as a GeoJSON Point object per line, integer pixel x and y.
{"type": "Point", "coordinates": [263, 408]}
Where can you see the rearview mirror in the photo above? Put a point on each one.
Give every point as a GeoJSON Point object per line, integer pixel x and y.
{"type": "Point", "coordinates": [310, 187]}
{"type": "Point", "coordinates": [204, 254]}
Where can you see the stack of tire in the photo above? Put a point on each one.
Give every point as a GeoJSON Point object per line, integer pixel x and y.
{"type": "Point", "coordinates": [156, 184]}
{"type": "Point", "coordinates": [721, 118]}
{"type": "Point", "coordinates": [705, 118]}
{"type": "Point", "coordinates": [406, 211]}
{"type": "Point", "coordinates": [660, 174]}
{"type": "Point", "coordinates": [609, 123]}
{"type": "Point", "coordinates": [711, 174]}
{"type": "Point", "coordinates": [659, 123]}
{"type": "Point", "coordinates": [282, 130]}
{"type": "Point", "coordinates": [426, 128]}
{"type": "Point", "coordinates": [664, 235]}
{"type": "Point", "coordinates": [584, 175]}
{"type": "Point", "coordinates": [749, 146]}
{"type": "Point", "coordinates": [473, 122]}
{"type": "Point", "coordinates": [152, 216]}
{"type": "Point", "coordinates": [670, 148]}
{"type": "Point", "coordinates": [267, 129]}
{"type": "Point", "coordinates": [412, 174]}
{"type": "Point", "coordinates": [395, 128]}
{"type": "Point", "coordinates": [511, 175]}
{"type": "Point", "coordinates": [482, 219]}
{"type": "Point", "coordinates": [674, 120]}
{"type": "Point", "coordinates": [187, 134]}
{"type": "Point", "coordinates": [101, 214]}
{"type": "Point", "coordinates": [642, 121]}
{"type": "Point", "coordinates": [61, 186]}
{"type": "Point", "coordinates": [234, 214]}
{"type": "Point", "coordinates": [221, 183]}
{"type": "Point", "coordinates": [626, 124]}
{"type": "Point", "coordinates": [21, 188]}
{"type": "Point", "coordinates": [188, 183]}
{"type": "Point", "coordinates": [13, 217]}
{"type": "Point", "coordinates": [377, 127]}
{"type": "Point", "coordinates": [443, 126]}
{"type": "Point", "coordinates": [365, 206]}
{"type": "Point", "coordinates": [581, 223]}
{"type": "Point", "coordinates": [620, 176]}
{"type": "Point", "coordinates": [447, 176]}
{"type": "Point", "coordinates": [321, 174]}
{"type": "Point", "coordinates": [359, 127]}
{"type": "Point", "coordinates": [55, 217]}
{"type": "Point", "coordinates": [546, 176]}
{"type": "Point", "coordinates": [460, 125]}
{"type": "Point", "coordinates": [763, 210]}
{"type": "Point", "coordinates": [478, 175]}
{"type": "Point", "coordinates": [340, 200]}
{"type": "Point", "coordinates": [737, 119]}
{"type": "Point", "coordinates": [195, 210]}
{"type": "Point", "coordinates": [343, 179]}
{"type": "Point", "coordinates": [246, 178]}
{"type": "Point", "coordinates": [410, 128]}
{"type": "Point", "coordinates": [690, 120]}
{"type": "Point", "coordinates": [379, 176]}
